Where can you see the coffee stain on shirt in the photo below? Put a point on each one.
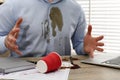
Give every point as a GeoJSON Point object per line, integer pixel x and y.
{"type": "Point", "coordinates": [46, 30]}
{"type": "Point", "coordinates": [24, 43]}
{"type": "Point", "coordinates": [56, 19]}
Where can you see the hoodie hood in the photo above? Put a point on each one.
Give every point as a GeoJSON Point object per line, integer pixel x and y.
{"type": "Point", "coordinates": [54, 1]}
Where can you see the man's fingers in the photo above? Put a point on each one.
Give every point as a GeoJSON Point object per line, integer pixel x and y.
{"type": "Point", "coordinates": [14, 31]}
{"type": "Point", "coordinates": [14, 48]}
{"type": "Point", "coordinates": [89, 29]}
{"type": "Point", "coordinates": [99, 38]}
{"type": "Point", "coordinates": [10, 40]}
{"type": "Point", "coordinates": [18, 52]}
{"type": "Point", "coordinates": [91, 53]}
{"type": "Point", "coordinates": [99, 49]}
{"type": "Point", "coordinates": [100, 44]}
{"type": "Point", "coordinates": [16, 35]}
{"type": "Point", "coordinates": [11, 45]}
{"type": "Point", "coordinates": [16, 28]}
{"type": "Point", "coordinates": [19, 21]}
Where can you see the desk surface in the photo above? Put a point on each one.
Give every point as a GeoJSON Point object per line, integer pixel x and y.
{"type": "Point", "coordinates": [89, 72]}
{"type": "Point", "coordinates": [92, 72]}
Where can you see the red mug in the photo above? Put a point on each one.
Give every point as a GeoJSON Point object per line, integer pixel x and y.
{"type": "Point", "coordinates": [49, 63]}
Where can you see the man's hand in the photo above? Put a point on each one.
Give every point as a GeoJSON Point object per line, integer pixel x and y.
{"type": "Point", "coordinates": [92, 43]}
{"type": "Point", "coordinates": [10, 40]}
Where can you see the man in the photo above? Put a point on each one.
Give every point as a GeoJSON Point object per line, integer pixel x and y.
{"type": "Point", "coordinates": [37, 27]}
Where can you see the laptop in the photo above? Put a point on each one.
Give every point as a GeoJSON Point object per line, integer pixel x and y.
{"type": "Point", "coordinates": [104, 59]}
{"type": "Point", "coordinates": [10, 64]}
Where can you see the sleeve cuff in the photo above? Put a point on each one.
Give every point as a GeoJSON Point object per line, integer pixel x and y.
{"type": "Point", "coordinates": [2, 45]}
{"type": "Point", "coordinates": [80, 50]}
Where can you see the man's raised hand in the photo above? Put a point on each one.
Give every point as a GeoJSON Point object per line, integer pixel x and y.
{"type": "Point", "coordinates": [10, 40]}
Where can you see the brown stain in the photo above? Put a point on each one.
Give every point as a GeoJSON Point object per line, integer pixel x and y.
{"type": "Point", "coordinates": [56, 18]}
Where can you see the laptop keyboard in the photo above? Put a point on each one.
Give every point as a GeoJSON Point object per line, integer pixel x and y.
{"type": "Point", "coordinates": [115, 61]}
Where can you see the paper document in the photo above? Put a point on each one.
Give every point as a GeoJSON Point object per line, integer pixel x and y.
{"type": "Point", "coordinates": [33, 74]}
